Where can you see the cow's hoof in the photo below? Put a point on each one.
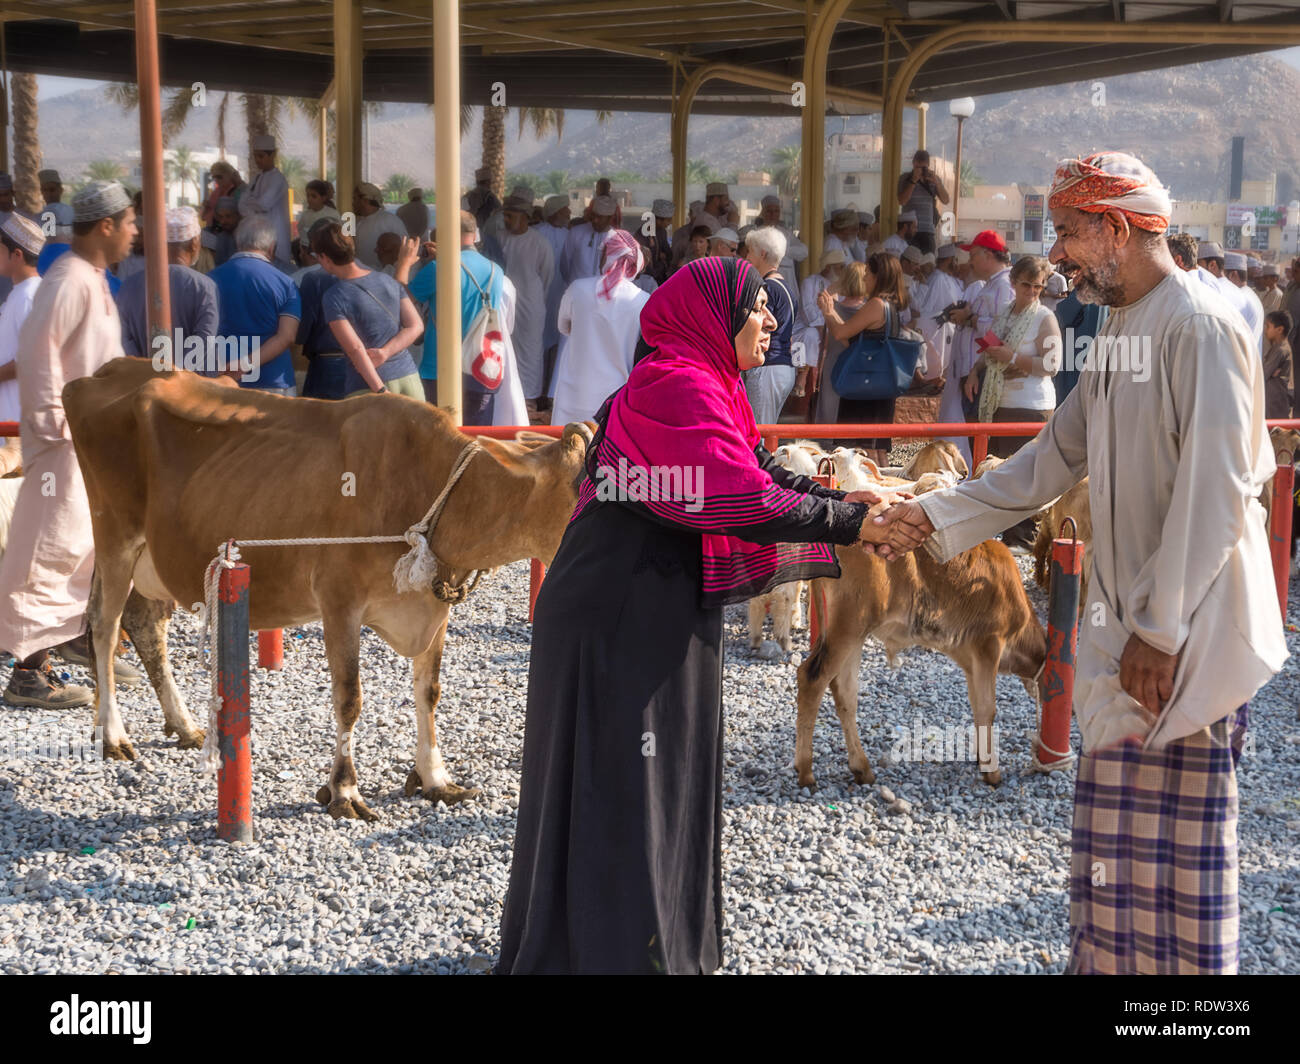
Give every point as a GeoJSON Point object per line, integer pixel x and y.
{"type": "Point", "coordinates": [863, 775]}
{"type": "Point", "coordinates": [808, 780]}
{"type": "Point", "coordinates": [350, 809]}
{"type": "Point", "coordinates": [122, 751]}
{"type": "Point", "coordinates": [323, 795]}
{"type": "Point", "coordinates": [992, 778]}
{"type": "Point", "coordinates": [451, 793]}
{"type": "Point", "coordinates": [195, 741]}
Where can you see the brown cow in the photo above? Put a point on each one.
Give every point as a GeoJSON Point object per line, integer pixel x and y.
{"type": "Point", "coordinates": [175, 465]}
{"type": "Point", "coordinates": [973, 609]}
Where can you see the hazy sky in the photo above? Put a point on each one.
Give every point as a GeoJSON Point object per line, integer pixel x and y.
{"type": "Point", "coordinates": [51, 86]}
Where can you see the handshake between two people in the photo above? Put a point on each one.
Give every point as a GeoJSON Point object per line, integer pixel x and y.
{"type": "Point", "coordinates": [895, 525]}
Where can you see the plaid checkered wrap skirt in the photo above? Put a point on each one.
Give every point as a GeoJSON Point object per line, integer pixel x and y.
{"type": "Point", "coordinates": [1153, 872]}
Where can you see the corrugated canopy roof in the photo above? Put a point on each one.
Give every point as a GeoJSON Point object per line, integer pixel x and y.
{"type": "Point", "coordinates": [614, 53]}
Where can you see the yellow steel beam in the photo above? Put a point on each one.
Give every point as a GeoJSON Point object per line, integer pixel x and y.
{"type": "Point", "coordinates": [446, 110]}
{"type": "Point", "coordinates": [348, 58]}
{"type": "Point", "coordinates": [118, 22]}
{"type": "Point", "coordinates": [1270, 36]}
{"type": "Point", "coordinates": [813, 178]}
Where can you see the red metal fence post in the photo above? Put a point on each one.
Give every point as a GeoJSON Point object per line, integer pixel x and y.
{"type": "Point", "coordinates": [270, 649]}
{"type": "Point", "coordinates": [1056, 689]}
{"type": "Point", "coordinates": [1279, 533]}
{"type": "Point", "coordinates": [234, 726]}
{"type": "Point", "coordinates": [979, 450]}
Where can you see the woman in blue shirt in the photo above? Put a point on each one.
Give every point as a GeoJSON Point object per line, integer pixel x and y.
{"type": "Point", "coordinates": [371, 317]}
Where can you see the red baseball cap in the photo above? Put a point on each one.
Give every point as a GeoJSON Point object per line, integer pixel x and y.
{"type": "Point", "coordinates": [989, 239]}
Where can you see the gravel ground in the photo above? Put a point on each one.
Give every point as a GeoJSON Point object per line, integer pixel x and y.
{"type": "Point", "coordinates": [116, 867]}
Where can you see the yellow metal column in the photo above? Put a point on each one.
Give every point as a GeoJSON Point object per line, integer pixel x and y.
{"type": "Point", "coordinates": [813, 177]}
{"type": "Point", "coordinates": [347, 98]}
{"type": "Point", "coordinates": [446, 124]}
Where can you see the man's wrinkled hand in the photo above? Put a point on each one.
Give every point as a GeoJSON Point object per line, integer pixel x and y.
{"type": "Point", "coordinates": [1147, 674]}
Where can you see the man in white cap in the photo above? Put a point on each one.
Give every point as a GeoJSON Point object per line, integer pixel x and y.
{"type": "Point", "coordinates": [910, 263]}
{"type": "Point", "coordinates": [582, 248]}
{"type": "Point", "coordinates": [724, 243]}
{"type": "Point", "coordinates": [1234, 275]}
{"type": "Point", "coordinates": [52, 193]}
{"type": "Point", "coordinates": [268, 194]}
{"type": "Point", "coordinates": [810, 326]}
{"type": "Point", "coordinates": [796, 250]}
{"type": "Point", "coordinates": [906, 231]}
{"type": "Point", "coordinates": [481, 200]}
{"type": "Point", "coordinates": [659, 244]}
{"type": "Point", "coordinates": [844, 236]}
{"type": "Point", "coordinates": [193, 303]}
{"type": "Point", "coordinates": [1270, 295]}
{"type": "Point", "coordinates": [71, 331]}
{"type": "Point", "coordinates": [530, 265]}
{"type": "Point", "coordinates": [1184, 625]}
{"type": "Point", "coordinates": [23, 240]}
{"type": "Point", "coordinates": [942, 290]}
{"type": "Point", "coordinates": [372, 222]}
{"type": "Point", "coordinates": [712, 211]}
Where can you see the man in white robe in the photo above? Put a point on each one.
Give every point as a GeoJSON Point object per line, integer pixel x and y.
{"type": "Point", "coordinates": [943, 290]}
{"type": "Point", "coordinates": [23, 240]}
{"type": "Point", "coordinates": [268, 194]}
{"type": "Point", "coordinates": [530, 265]}
{"type": "Point", "coordinates": [71, 330]}
{"type": "Point", "coordinates": [991, 265]}
{"type": "Point", "coordinates": [1182, 624]}
{"type": "Point", "coordinates": [585, 241]}
{"type": "Point", "coordinates": [844, 236]}
{"type": "Point", "coordinates": [1234, 274]}
{"type": "Point", "coordinates": [600, 318]}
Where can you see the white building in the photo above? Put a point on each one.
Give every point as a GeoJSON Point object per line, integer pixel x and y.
{"type": "Point", "coordinates": [181, 190]}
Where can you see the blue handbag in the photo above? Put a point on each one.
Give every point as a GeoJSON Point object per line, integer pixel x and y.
{"type": "Point", "coordinates": [877, 365]}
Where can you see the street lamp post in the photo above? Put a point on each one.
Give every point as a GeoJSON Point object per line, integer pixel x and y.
{"type": "Point", "coordinates": [961, 110]}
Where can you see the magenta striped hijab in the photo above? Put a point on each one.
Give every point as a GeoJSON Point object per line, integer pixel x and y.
{"type": "Point", "coordinates": [684, 406]}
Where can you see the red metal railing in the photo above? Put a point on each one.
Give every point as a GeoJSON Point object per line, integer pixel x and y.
{"type": "Point", "coordinates": [979, 432]}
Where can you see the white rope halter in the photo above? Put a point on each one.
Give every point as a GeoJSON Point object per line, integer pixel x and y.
{"type": "Point", "coordinates": [415, 570]}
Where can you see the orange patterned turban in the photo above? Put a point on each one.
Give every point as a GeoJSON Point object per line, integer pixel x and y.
{"type": "Point", "coordinates": [1107, 179]}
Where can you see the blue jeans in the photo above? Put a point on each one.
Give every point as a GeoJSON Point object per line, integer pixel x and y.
{"type": "Point", "coordinates": [325, 377]}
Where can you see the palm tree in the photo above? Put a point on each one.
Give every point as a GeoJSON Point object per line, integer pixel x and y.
{"type": "Point", "coordinates": [295, 173]}
{"type": "Point", "coordinates": [542, 119]}
{"type": "Point", "coordinates": [785, 168]}
{"type": "Point", "coordinates": [555, 183]}
{"type": "Point", "coordinates": [105, 170]}
{"type": "Point", "coordinates": [27, 144]}
{"type": "Point", "coordinates": [182, 167]}
{"type": "Point", "coordinates": [699, 172]}
{"type": "Point", "coordinates": [395, 187]}
{"type": "Point", "coordinates": [494, 146]}
{"type": "Point", "coordinates": [968, 178]}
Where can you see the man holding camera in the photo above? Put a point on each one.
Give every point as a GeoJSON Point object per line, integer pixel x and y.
{"type": "Point", "coordinates": [918, 190]}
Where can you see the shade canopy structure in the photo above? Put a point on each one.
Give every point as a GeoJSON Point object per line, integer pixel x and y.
{"type": "Point", "coordinates": [623, 54]}
{"type": "Point", "coordinates": [805, 58]}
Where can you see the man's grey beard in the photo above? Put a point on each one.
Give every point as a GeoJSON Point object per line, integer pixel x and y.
{"type": "Point", "coordinates": [1099, 285]}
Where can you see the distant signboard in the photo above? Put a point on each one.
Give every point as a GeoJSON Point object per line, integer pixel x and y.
{"type": "Point", "coordinates": [1033, 206]}
{"type": "Point", "coordinates": [1264, 216]}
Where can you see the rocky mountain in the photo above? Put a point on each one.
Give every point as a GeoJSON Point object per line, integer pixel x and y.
{"type": "Point", "coordinates": [1181, 121]}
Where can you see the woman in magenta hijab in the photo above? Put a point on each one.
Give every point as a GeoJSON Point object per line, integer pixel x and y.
{"type": "Point", "coordinates": [617, 862]}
